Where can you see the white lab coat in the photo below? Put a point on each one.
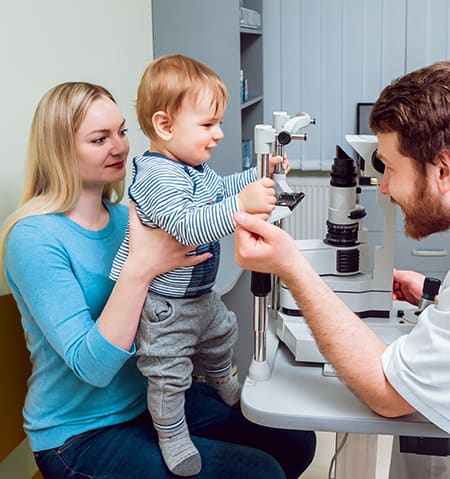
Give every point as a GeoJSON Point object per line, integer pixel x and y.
{"type": "Point", "coordinates": [418, 366]}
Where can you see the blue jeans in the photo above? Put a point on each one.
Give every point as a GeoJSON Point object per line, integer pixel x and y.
{"type": "Point", "coordinates": [230, 446]}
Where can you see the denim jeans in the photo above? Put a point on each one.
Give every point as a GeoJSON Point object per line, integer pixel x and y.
{"type": "Point", "coordinates": [230, 446]}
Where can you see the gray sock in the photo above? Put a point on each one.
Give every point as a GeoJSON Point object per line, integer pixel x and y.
{"type": "Point", "coordinates": [179, 453]}
{"type": "Point", "coordinates": [225, 383]}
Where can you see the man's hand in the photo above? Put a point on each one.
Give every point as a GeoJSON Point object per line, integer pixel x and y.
{"type": "Point", "coordinates": [262, 247]}
{"type": "Point", "coordinates": [408, 286]}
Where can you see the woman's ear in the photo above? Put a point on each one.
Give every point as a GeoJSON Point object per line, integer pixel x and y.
{"type": "Point", "coordinates": [163, 125]}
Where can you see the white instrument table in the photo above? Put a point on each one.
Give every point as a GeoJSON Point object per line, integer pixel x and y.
{"type": "Point", "coordinates": [298, 396]}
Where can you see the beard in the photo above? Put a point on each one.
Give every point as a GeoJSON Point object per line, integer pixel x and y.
{"type": "Point", "coordinates": [424, 214]}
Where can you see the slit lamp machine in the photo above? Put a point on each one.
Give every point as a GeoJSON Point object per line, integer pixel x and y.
{"type": "Point", "coordinates": [341, 258]}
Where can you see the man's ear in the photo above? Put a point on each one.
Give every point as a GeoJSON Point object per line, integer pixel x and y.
{"type": "Point", "coordinates": [163, 125]}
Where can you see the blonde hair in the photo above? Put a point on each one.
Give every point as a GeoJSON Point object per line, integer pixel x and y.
{"type": "Point", "coordinates": [52, 181]}
{"type": "Point", "coordinates": [167, 81]}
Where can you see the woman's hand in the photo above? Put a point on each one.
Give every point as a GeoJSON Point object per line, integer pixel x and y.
{"type": "Point", "coordinates": [155, 252]}
{"type": "Point", "coordinates": [151, 252]}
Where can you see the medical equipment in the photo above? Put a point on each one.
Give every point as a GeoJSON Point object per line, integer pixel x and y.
{"type": "Point", "coordinates": [430, 290]}
{"type": "Point", "coordinates": [274, 138]}
{"type": "Point", "coordinates": [268, 139]}
{"type": "Point", "coordinates": [342, 258]}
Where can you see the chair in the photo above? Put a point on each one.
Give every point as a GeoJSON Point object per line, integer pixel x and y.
{"type": "Point", "coordinates": [15, 453]}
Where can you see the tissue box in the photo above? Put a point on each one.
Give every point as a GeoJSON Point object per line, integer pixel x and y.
{"type": "Point", "coordinates": [249, 18]}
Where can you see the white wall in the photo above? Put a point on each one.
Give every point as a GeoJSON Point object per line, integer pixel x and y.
{"type": "Point", "coordinates": [46, 42]}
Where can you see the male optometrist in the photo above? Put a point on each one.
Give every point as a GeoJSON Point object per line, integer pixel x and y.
{"type": "Point", "coordinates": [412, 121]}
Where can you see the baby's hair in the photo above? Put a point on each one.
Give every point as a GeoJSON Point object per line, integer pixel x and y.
{"type": "Point", "coordinates": [167, 81]}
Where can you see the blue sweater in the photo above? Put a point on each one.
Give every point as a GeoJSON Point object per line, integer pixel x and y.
{"type": "Point", "coordinates": [58, 273]}
{"type": "Point", "coordinates": [195, 205]}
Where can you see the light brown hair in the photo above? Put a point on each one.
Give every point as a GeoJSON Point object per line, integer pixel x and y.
{"type": "Point", "coordinates": [167, 81]}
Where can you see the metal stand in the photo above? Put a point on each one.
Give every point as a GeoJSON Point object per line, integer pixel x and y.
{"type": "Point", "coordinates": [267, 139]}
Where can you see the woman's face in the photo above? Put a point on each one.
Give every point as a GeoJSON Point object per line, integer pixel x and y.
{"type": "Point", "coordinates": [102, 145]}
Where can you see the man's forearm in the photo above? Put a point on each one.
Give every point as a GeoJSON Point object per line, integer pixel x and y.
{"type": "Point", "coordinates": [348, 343]}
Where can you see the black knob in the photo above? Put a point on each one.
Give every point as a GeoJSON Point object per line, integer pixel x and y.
{"type": "Point", "coordinates": [284, 137]}
{"type": "Point", "coordinates": [430, 287]}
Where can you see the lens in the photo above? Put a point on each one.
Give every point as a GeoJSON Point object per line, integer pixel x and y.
{"type": "Point", "coordinates": [341, 235]}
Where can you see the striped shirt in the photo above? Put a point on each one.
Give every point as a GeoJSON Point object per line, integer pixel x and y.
{"type": "Point", "coordinates": [195, 205]}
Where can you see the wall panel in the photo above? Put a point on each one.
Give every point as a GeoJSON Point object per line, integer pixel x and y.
{"type": "Point", "coordinates": [336, 53]}
{"type": "Point", "coordinates": [332, 83]}
{"type": "Point", "coordinates": [372, 21]}
{"type": "Point", "coordinates": [427, 32]}
{"type": "Point", "coordinates": [393, 38]}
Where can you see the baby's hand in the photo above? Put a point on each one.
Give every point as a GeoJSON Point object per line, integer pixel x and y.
{"type": "Point", "coordinates": [275, 160]}
{"type": "Point", "coordinates": [258, 197]}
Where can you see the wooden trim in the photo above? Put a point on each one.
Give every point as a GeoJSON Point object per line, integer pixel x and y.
{"type": "Point", "coordinates": [15, 369]}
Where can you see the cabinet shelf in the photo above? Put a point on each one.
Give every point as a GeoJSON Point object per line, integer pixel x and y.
{"type": "Point", "coordinates": [250, 31]}
{"type": "Point", "coordinates": [251, 102]}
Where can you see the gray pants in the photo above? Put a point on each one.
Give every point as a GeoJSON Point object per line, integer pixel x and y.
{"type": "Point", "coordinates": [171, 332]}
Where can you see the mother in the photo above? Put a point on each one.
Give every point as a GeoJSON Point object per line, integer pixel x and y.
{"type": "Point", "coordinates": [85, 410]}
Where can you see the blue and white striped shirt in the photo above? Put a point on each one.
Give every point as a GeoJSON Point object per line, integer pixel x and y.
{"type": "Point", "coordinates": [195, 205]}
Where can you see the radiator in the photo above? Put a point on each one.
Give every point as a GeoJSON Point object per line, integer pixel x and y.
{"type": "Point", "coordinates": [308, 220]}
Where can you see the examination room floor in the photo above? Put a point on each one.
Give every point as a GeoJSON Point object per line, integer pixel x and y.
{"type": "Point", "coordinates": [325, 450]}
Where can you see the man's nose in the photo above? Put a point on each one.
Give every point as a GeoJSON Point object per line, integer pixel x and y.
{"type": "Point", "coordinates": [384, 185]}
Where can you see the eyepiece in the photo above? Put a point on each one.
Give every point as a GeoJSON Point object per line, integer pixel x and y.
{"type": "Point", "coordinates": [343, 173]}
{"type": "Point", "coordinates": [377, 163]}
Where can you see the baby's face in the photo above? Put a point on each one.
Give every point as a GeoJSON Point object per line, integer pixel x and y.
{"type": "Point", "coordinates": [196, 130]}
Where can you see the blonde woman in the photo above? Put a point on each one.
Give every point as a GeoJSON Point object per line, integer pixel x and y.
{"type": "Point", "coordinates": [85, 410]}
